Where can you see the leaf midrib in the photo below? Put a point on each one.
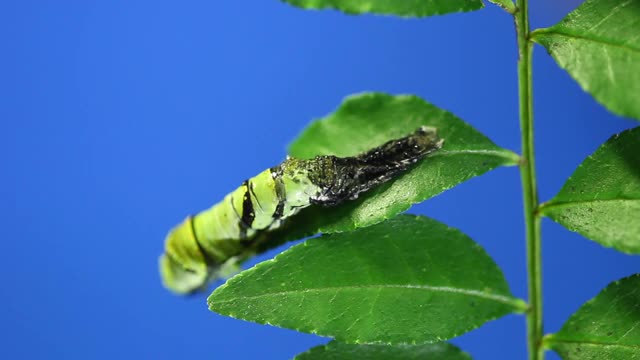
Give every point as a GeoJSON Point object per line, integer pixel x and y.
{"type": "Point", "coordinates": [581, 37]}
{"type": "Point", "coordinates": [516, 303]}
{"type": "Point", "coordinates": [553, 204]}
{"type": "Point", "coordinates": [555, 340]}
{"type": "Point", "coordinates": [501, 153]}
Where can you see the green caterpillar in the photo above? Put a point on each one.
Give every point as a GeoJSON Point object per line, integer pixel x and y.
{"type": "Point", "coordinates": [204, 245]}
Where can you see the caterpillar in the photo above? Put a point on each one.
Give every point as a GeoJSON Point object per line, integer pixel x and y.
{"type": "Point", "coordinates": [205, 245]}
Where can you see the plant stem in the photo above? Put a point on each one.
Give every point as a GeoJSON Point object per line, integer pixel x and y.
{"type": "Point", "coordinates": [528, 177]}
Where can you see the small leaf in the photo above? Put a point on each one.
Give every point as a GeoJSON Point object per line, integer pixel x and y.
{"type": "Point", "coordinates": [508, 5]}
{"type": "Point", "coordinates": [405, 281]}
{"type": "Point", "coordinates": [368, 120]}
{"type": "Point", "coordinates": [414, 8]}
{"type": "Point", "coordinates": [598, 44]}
{"type": "Point", "coordinates": [337, 351]}
{"type": "Point", "coordinates": [606, 327]}
{"type": "Point", "coordinates": [601, 200]}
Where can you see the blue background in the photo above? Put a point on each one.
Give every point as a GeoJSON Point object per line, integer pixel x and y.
{"type": "Point", "coordinates": [118, 118]}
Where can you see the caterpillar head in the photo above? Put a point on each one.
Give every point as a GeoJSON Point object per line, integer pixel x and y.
{"type": "Point", "coordinates": [182, 266]}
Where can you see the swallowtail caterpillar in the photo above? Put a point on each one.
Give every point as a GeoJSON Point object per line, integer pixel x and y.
{"type": "Point", "coordinates": [205, 245]}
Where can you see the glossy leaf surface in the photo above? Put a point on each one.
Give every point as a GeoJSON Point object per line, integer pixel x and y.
{"type": "Point", "coordinates": [407, 280]}
{"type": "Point", "coordinates": [606, 327]}
{"type": "Point", "coordinates": [598, 44]}
{"type": "Point", "coordinates": [601, 200]}
{"type": "Point", "coordinates": [340, 351]}
{"type": "Point", "coordinates": [404, 8]}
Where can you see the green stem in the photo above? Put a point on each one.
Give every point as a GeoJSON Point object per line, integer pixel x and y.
{"type": "Point", "coordinates": [529, 190]}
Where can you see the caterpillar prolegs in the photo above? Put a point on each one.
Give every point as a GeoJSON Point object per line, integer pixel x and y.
{"type": "Point", "coordinates": [198, 250]}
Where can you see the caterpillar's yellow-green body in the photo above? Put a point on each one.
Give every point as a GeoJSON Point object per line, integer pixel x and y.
{"type": "Point", "coordinates": [202, 246]}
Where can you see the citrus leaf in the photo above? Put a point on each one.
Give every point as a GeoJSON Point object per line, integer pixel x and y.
{"type": "Point", "coordinates": [601, 200]}
{"type": "Point", "coordinates": [336, 351]}
{"type": "Point", "coordinates": [409, 280]}
{"type": "Point", "coordinates": [404, 8]}
{"type": "Point", "coordinates": [606, 327]}
{"type": "Point", "coordinates": [598, 44]}
{"type": "Point", "coordinates": [367, 120]}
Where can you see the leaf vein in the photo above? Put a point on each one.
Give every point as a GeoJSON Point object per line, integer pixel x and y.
{"type": "Point", "coordinates": [554, 204]}
{"type": "Point", "coordinates": [555, 340]}
{"type": "Point", "coordinates": [444, 289]}
{"type": "Point", "coordinates": [498, 153]}
{"type": "Point", "coordinates": [611, 13]}
{"type": "Point", "coordinates": [582, 37]}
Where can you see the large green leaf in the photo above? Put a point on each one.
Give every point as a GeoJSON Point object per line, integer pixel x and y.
{"type": "Point", "coordinates": [339, 351]}
{"type": "Point", "coordinates": [601, 200]}
{"type": "Point", "coordinates": [407, 280]}
{"type": "Point", "coordinates": [598, 44]}
{"type": "Point", "coordinates": [368, 120]}
{"type": "Point", "coordinates": [606, 327]}
{"type": "Point", "coordinates": [405, 8]}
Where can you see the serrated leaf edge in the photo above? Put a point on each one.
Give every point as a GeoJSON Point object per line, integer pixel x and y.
{"type": "Point", "coordinates": [588, 89]}
{"type": "Point", "coordinates": [549, 339]}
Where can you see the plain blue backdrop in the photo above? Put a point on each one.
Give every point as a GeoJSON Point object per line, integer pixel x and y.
{"type": "Point", "coordinates": [118, 118]}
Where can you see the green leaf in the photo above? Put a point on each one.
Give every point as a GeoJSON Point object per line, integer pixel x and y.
{"type": "Point", "coordinates": [405, 8]}
{"type": "Point", "coordinates": [601, 200]}
{"type": "Point", "coordinates": [409, 280]}
{"type": "Point", "coordinates": [368, 120]}
{"type": "Point", "coordinates": [338, 351]}
{"type": "Point", "coordinates": [606, 327]}
{"type": "Point", "coordinates": [508, 5]}
{"type": "Point", "coordinates": [598, 44]}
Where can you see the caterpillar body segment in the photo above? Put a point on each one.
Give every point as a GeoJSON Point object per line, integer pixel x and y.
{"type": "Point", "coordinates": [205, 246]}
